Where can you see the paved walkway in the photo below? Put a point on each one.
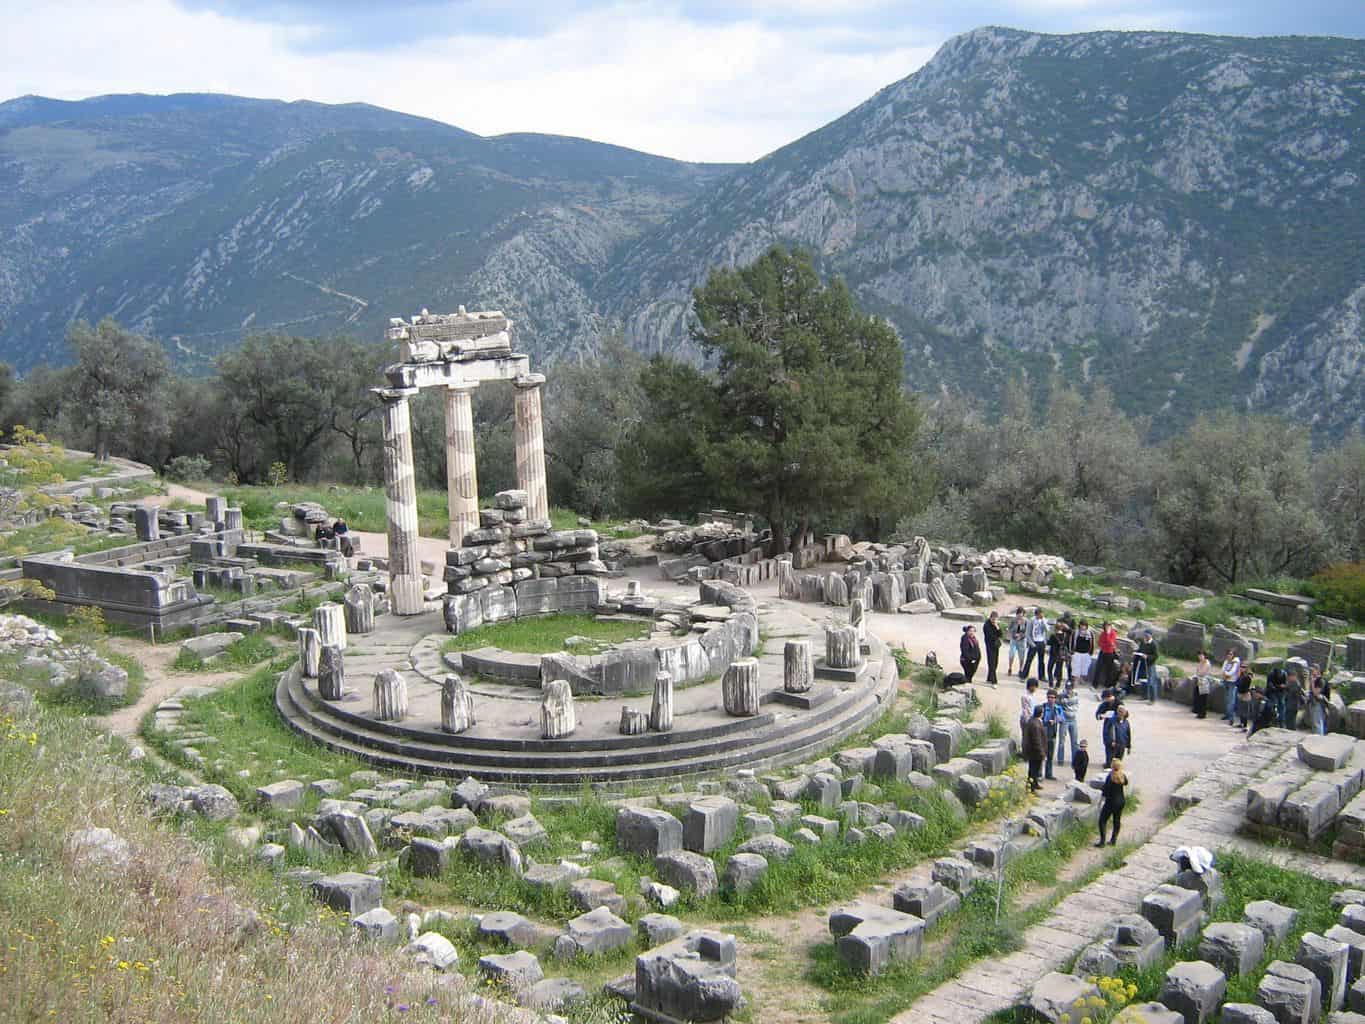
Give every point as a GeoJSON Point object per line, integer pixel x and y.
{"type": "Point", "coordinates": [1079, 919]}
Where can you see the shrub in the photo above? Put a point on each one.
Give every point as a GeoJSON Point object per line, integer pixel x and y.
{"type": "Point", "coordinates": [1340, 590]}
{"type": "Point", "coordinates": [187, 467]}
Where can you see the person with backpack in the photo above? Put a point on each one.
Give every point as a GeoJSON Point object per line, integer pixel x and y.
{"type": "Point", "coordinates": [1113, 796]}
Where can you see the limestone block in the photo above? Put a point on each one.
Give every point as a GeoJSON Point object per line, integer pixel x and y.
{"type": "Point", "coordinates": [946, 736]}
{"type": "Point", "coordinates": [434, 950]}
{"type": "Point", "coordinates": [1291, 993]}
{"type": "Point", "coordinates": [310, 651]}
{"type": "Point", "coordinates": [1175, 912]}
{"type": "Point", "coordinates": [1355, 946]}
{"type": "Point", "coordinates": [1147, 1013]}
{"type": "Point", "coordinates": [1055, 996]}
{"type": "Point", "coordinates": [470, 793]}
{"type": "Point", "coordinates": [284, 794]}
{"type": "Point", "coordinates": [390, 696]}
{"type": "Point", "coordinates": [688, 979]}
{"type": "Point", "coordinates": [1326, 753]}
{"type": "Point", "coordinates": [587, 894]}
{"type": "Point", "coordinates": [824, 790]}
{"type": "Point", "coordinates": [1208, 884]}
{"type": "Point", "coordinates": [1246, 1013]}
{"type": "Point", "coordinates": [490, 847]}
{"type": "Point", "coordinates": [827, 829]}
{"type": "Point", "coordinates": [557, 718]}
{"type": "Point", "coordinates": [378, 924]}
{"type": "Point", "coordinates": [331, 673]}
{"type": "Point", "coordinates": [1274, 921]}
{"type": "Point", "coordinates": [553, 876]}
{"type": "Point", "coordinates": [798, 666]}
{"type": "Point", "coordinates": [1327, 959]}
{"type": "Point", "coordinates": [1135, 942]}
{"type": "Point", "coordinates": [647, 831]}
{"type": "Point", "coordinates": [1355, 996]}
{"type": "Point", "coordinates": [350, 832]}
{"type": "Point", "coordinates": [688, 871]}
{"type": "Point", "coordinates": [1234, 949]}
{"type": "Point", "coordinates": [770, 847]}
{"type": "Point", "coordinates": [955, 873]}
{"type": "Point", "coordinates": [1266, 796]}
{"type": "Point", "coordinates": [511, 928]}
{"type": "Point", "coordinates": [928, 902]}
{"type": "Point", "coordinates": [709, 823]}
{"type": "Point", "coordinates": [1309, 810]}
{"type": "Point", "coordinates": [349, 892]}
{"type": "Point", "coordinates": [1098, 960]}
{"type": "Point", "coordinates": [515, 971]}
{"type": "Point", "coordinates": [525, 831]}
{"type": "Point", "coordinates": [784, 812]}
{"type": "Point", "coordinates": [743, 871]}
{"type": "Point", "coordinates": [868, 937]}
{"type": "Point", "coordinates": [656, 929]}
{"type": "Point", "coordinates": [1194, 989]}
{"type": "Point", "coordinates": [993, 758]}
{"type": "Point", "coordinates": [739, 688]}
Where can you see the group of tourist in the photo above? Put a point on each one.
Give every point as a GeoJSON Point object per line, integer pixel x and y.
{"type": "Point", "coordinates": [1285, 698]}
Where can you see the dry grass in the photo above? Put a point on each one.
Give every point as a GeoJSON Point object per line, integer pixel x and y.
{"type": "Point", "coordinates": [172, 935]}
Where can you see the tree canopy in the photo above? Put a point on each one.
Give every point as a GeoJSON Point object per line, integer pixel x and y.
{"type": "Point", "coordinates": [119, 384]}
{"type": "Point", "coordinates": [802, 414]}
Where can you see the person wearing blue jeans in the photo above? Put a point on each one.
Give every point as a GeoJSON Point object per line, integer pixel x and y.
{"type": "Point", "coordinates": [1071, 706]}
{"type": "Point", "coordinates": [1054, 724]}
{"type": "Point", "coordinates": [1232, 668]}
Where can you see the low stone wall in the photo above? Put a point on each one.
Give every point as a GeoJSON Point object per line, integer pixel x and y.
{"type": "Point", "coordinates": [133, 597]}
{"type": "Point", "coordinates": [547, 596]}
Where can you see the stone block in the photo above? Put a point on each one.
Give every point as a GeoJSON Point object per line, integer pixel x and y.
{"type": "Point", "coordinates": [378, 924]}
{"type": "Point", "coordinates": [1235, 949]}
{"type": "Point", "coordinates": [433, 950]}
{"type": "Point", "coordinates": [1274, 921]}
{"type": "Point", "coordinates": [827, 829]}
{"type": "Point", "coordinates": [587, 894]}
{"type": "Point", "coordinates": [349, 892]}
{"type": "Point", "coordinates": [1267, 796]}
{"type": "Point", "coordinates": [647, 831]}
{"type": "Point", "coordinates": [691, 978]}
{"type": "Point", "coordinates": [1194, 989]}
{"type": "Point", "coordinates": [869, 937]}
{"type": "Point", "coordinates": [688, 871]}
{"type": "Point", "coordinates": [490, 847]}
{"type": "Point", "coordinates": [1135, 941]}
{"type": "Point", "coordinates": [1175, 912]}
{"type": "Point", "coordinates": [1209, 885]}
{"type": "Point", "coordinates": [1055, 996]}
{"type": "Point", "coordinates": [1327, 959]}
{"type": "Point", "coordinates": [1291, 993]}
{"type": "Point", "coordinates": [743, 871]}
{"type": "Point", "coordinates": [927, 902]}
{"type": "Point", "coordinates": [769, 846]}
{"type": "Point", "coordinates": [955, 873]}
{"type": "Point", "coordinates": [784, 812]}
{"type": "Point", "coordinates": [1309, 810]}
{"type": "Point", "coordinates": [1246, 1013]}
{"type": "Point", "coordinates": [1326, 753]}
{"type": "Point", "coordinates": [1147, 1013]}
{"type": "Point", "coordinates": [824, 790]}
{"type": "Point", "coordinates": [597, 931]}
{"type": "Point", "coordinates": [755, 824]}
{"type": "Point", "coordinates": [1355, 946]}
{"type": "Point", "coordinates": [946, 736]}
{"type": "Point", "coordinates": [709, 823]}
{"type": "Point", "coordinates": [1097, 960]}
{"type": "Point", "coordinates": [284, 794]}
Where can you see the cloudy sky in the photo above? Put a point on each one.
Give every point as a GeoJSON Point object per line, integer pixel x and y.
{"type": "Point", "coordinates": [702, 80]}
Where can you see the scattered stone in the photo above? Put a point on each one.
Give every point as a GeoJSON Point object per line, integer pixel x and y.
{"type": "Point", "coordinates": [743, 871]}
{"type": "Point", "coordinates": [709, 824]}
{"type": "Point", "coordinates": [1054, 996]}
{"type": "Point", "coordinates": [597, 931]}
{"type": "Point", "coordinates": [1234, 949]}
{"type": "Point", "coordinates": [768, 846]}
{"type": "Point", "coordinates": [590, 893]}
{"type": "Point", "coordinates": [1274, 921]}
{"type": "Point", "coordinates": [349, 892]}
{"type": "Point", "coordinates": [517, 971]}
{"type": "Point", "coordinates": [869, 937]}
{"type": "Point", "coordinates": [656, 929]}
{"type": "Point", "coordinates": [647, 831]}
{"type": "Point", "coordinates": [688, 871]}
{"type": "Point", "coordinates": [434, 950]}
{"type": "Point", "coordinates": [99, 847]}
{"type": "Point", "coordinates": [378, 924]}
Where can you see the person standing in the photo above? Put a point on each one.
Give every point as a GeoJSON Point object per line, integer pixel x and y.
{"type": "Point", "coordinates": [970, 652]}
{"type": "Point", "coordinates": [1203, 683]}
{"type": "Point", "coordinates": [1034, 747]}
{"type": "Point", "coordinates": [1071, 704]}
{"type": "Point", "coordinates": [1232, 668]}
{"type": "Point", "coordinates": [1113, 795]}
{"type": "Point", "coordinates": [1295, 697]}
{"type": "Point", "coordinates": [1276, 689]}
{"type": "Point", "coordinates": [1058, 652]}
{"type": "Point", "coordinates": [1319, 694]}
{"type": "Point", "coordinates": [1108, 668]}
{"type": "Point", "coordinates": [1244, 682]}
{"type": "Point", "coordinates": [1082, 650]}
{"type": "Point", "coordinates": [1117, 735]}
{"type": "Point", "coordinates": [1028, 701]}
{"type": "Point", "coordinates": [1018, 640]}
{"type": "Point", "coordinates": [1080, 761]}
{"type": "Point", "coordinates": [1037, 644]}
{"type": "Point", "coordinates": [1054, 721]}
{"type": "Point", "coordinates": [1147, 651]}
{"type": "Point", "coordinates": [990, 636]}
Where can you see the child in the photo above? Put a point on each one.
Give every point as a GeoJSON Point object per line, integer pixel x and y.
{"type": "Point", "coordinates": [1080, 761]}
{"type": "Point", "coordinates": [1114, 796]}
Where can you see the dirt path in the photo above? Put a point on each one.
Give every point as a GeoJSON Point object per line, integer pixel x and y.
{"type": "Point", "coordinates": [162, 682]}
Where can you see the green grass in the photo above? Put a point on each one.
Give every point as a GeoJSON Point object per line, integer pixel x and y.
{"type": "Point", "coordinates": [546, 634]}
{"type": "Point", "coordinates": [250, 650]}
{"type": "Point", "coordinates": [54, 534]}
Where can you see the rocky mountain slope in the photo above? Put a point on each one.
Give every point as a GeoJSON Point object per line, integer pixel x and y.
{"type": "Point", "coordinates": [198, 218]}
{"type": "Point", "coordinates": [1180, 216]}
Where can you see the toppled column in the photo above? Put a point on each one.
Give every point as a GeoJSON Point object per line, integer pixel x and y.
{"type": "Point", "coordinates": [661, 710]}
{"type": "Point", "coordinates": [557, 718]}
{"type": "Point", "coordinates": [798, 667]}
{"type": "Point", "coordinates": [360, 609]}
{"type": "Point", "coordinates": [400, 491]}
{"type": "Point", "coordinates": [462, 477]}
{"type": "Point", "coordinates": [842, 649]}
{"type": "Point", "coordinates": [331, 673]}
{"type": "Point", "coordinates": [390, 696]}
{"type": "Point", "coordinates": [739, 688]}
{"type": "Point", "coordinates": [530, 444]}
{"type": "Point", "coordinates": [457, 705]}
{"type": "Point", "coordinates": [310, 651]}
{"type": "Point", "coordinates": [330, 621]}
{"type": "Point", "coordinates": [145, 522]}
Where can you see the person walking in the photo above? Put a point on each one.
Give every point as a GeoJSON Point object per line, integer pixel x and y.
{"type": "Point", "coordinates": [1018, 633]}
{"type": "Point", "coordinates": [1276, 689]}
{"type": "Point", "coordinates": [1203, 683]}
{"type": "Point", "coordinates": [1071, 704]}
{"type": "Point", "coordinates": [990, 636]}
{"type": "Point", "coordinates": [1082, 650]}
{"type": "Point", "coordinates": [1244, 681]}
{"type": "Point", "coordinates": [1107, 669]}
{"type": "Point", "coordinates": [1113, 795]}
{"type": "Point", "coordinates": [1080, 761]}
{"type": "Point", "coordinates": [1037, 644]}
{"type": "Point", "coordinates": [1232, 668]}
{"type": "Point", "coordinates": [970, 652]}
{"type": "Point", "coordinates": [1034, 746]}
{"type": "Point", "coordinates": [1117, 734]}
{"type": "Point", "coordinates": [1054, 721]}
{"type": "Point", "coordinates": [1147, 651]}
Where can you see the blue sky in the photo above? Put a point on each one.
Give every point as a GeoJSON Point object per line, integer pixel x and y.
{"type": "Point", "coordinates": [705, 80]}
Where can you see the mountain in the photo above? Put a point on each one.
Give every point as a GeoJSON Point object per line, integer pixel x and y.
{"type": "Point", "coordinates": [1180, 216]}
{"type": "Point", "coordinates": [197, 218]}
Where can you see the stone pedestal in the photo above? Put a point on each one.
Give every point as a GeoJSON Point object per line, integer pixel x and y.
{"type": "Point", "coordinates": [530, 444]}
{"type": "Point", "coordinates": [462, 478]}
{"type": "Point", "coordinates": [390, 696]}
{"type": "Point", "coordinates": [330, 622]}
{"type": "Point", "coordinates": [233, 519]}
{"type": "Point", "coordinates": [310, 651]}
{"type": "Point", "coordinates": [360, 609]}
{"type": "Point", "coordinates": [144, 521]}
{"type": "Point", "coordinates": [215, 511]}
{"type": "Point", "coordinates": [400, 491]}
{"type": "Point", "coordinates": [457, 705]}
{"type": "Point", "coordinates": [798, 667]}
{"type": "Point", "coordinates": [633, 722]}
{"type": "Point", "coordinates": [739, 688]}
{"type": "Point", "coordinates": [556, 710]}
{"type": "Point", "coordinates": [842, 649]}
{"type": "Point", "coordinates": [661, 710]}
{"type": "Point", "coordinates": [1355, 652]}
{"type": "Point", "coordinates": [331, 673]}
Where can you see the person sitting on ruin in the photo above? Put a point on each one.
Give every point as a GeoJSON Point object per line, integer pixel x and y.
{"type": "Point", "coordinates": [323, 533]}
{"type": "Point", "coordinates": [342, 532]}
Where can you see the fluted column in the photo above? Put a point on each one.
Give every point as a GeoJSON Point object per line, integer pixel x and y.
{"type": "Point", "coordinates": [530, 440]}
{"type": "Point", "coordinates": [462, 478]}
{"type": "Point", "coordinates": [400, 491]}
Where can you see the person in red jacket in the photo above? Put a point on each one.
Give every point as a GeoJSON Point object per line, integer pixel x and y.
{"type": "Point", "coordinates": [1107, 670]}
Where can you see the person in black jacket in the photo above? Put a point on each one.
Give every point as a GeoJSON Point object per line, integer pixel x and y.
{"type": "Point", "coordinates": [1033, 744]}
{"type": "Point", "coordinates": [991, 635]}
{"type": "Point", "coordinates": [1113, 796]}
{"type": "Point", "coordinates": [970, 649]}
{"type": "Point", "coordinates": [1117, 733]}
{"type": "Point", "coordinates": [1080, 761]}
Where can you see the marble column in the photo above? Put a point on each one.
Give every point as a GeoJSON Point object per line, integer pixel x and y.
{"type": "Point", "coordinates": [530, 439]}
{"type": "Point", "coordinates": [462, 478]}
{"type": "Point", "coordinates": [400, 490]}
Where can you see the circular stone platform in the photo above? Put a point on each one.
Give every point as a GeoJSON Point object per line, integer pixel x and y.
{"type": "Point", "coordinates": [505, 745]}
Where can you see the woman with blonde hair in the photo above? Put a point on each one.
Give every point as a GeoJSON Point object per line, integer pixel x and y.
{"type": "Point", "coordinates": [1113, 795]}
